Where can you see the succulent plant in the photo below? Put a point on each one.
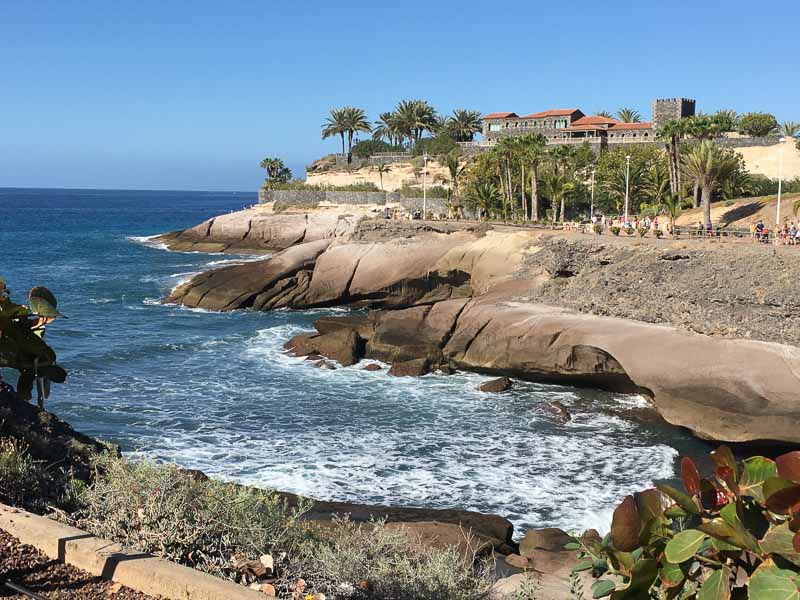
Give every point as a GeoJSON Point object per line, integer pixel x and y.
{"type": "Point", "coordinates": [22, 345]}
{"type": "Point", "coordinates": [735, 535]}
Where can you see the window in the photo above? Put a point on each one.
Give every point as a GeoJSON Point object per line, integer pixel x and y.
{"type": "Point", "coordinates": [494, 126]}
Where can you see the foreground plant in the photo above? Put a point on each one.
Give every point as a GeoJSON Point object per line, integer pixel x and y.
{"type": "Point", "coordinates": [22, 345]}
{"type": "Point", "coordinates": [735, 535]}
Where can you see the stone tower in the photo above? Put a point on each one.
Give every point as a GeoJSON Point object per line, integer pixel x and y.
{"type": "Point", "coordinates": [670, 109]}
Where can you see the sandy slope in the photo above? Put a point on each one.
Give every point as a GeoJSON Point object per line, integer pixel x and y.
{"type": "Point", "coordinates": [746, 211]}
{"type": "Point", "coordinates": [399, 174]}
{"type": "Point", "coordinates": [764, 160]}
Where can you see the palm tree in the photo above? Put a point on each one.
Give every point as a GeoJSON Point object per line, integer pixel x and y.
{"type": "Point", "coordinates": [702, 127]}
{"type": "Point", "coordinates": [386, 127]}
{"type": "Point", "coordinates": [533, 146]}
{"type": "Point", "coordinates": [628, 115]}
{"type": "Point", "coordinates": [455, 171]}
{"type": "Point", "coordinates": [705, 166]}
{"type": "Point", "coordinates": [790, 128]}
{"type": "Point", "coordinates": [355, 120]}
{"type": "Point", "coordinates": [485, 197]}
{"type": "Point", "coordinates": [614, 183]}
{"type": "Point", "coordinates": [381, 170]}
{"type": "Point", "coordinates": [672, 206]}
{"type": "Point", "coordinates": [737, 184]}
{"type": "Point", "coordinates": [441, 125]}
{"type": "Point", "coordinates": [656, 182]}
{"type": "Point", "coordinates": [414, 118]}
{"type": "Point", "coordinates": [277, 171]}
{"type": "Point", "coordinates": [335, 124]}
{"type": "Point", "coordinates": [464, 124]}
{"type": "Point", "coordinates": [558, 187]}
{"type": "Point", "coordinates": [726, 119]}
{"type": "Point", "coordinates": [671, 133]}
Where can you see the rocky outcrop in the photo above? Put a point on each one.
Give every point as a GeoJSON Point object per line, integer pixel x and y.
{"type": "Point", "coordinates": [495, 386]}
{"type": "Point", "coordinates": [729, 390]}
{"type": "Point", "coordinates": [256, 230]}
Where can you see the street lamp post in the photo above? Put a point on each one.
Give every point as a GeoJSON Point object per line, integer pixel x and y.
{"type": "Point", "coordinates": [780, 180]}
{"type": "Point", "coordinates": [424, 186]}
{"type": "Point", "coordinates": [591, 206]}
{"type": "Point", "coordinates": [627, 184]}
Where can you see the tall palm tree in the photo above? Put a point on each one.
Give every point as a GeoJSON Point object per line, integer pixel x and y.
{"type": "Point", "coordinates": [485, 196]}
{"type": "Point", "coordinates": [335, 124]}
{"type": "Point", "coordinates": [705, 165]}
{"type": "Point", "coordinates": [671, 133]}
{"type": "Point", "coordinates": [414, 118]}
{"type": "Point", "coordinates": [355, 120]}
{"type": "Point", "coordinates": [737, 184]}
{"type": "Point", "coordinates": [510, 150]}
{"type": "Point", "coordinates": [726, 119]}
{"type": "Point", "coordinates": [628, 115]}
{"type": "Point", "coordinates": [617, 180]}
{"type": "Point", "coordinates": [790, 128]}
{"type": "Point", "coordinates": [604, 113]}
{"type": "Point", "coordinates": [702, 127]}
{"type": "Point", "coordinates": [464, 124]}
{"type": "Point", "coordinates": [534, 152]}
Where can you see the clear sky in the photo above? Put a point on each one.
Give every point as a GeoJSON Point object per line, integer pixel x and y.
{"type": "Point", "coordinates": [191, 95]}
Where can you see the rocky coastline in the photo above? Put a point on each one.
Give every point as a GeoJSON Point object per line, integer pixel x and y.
{"type": "Point", "coordinates": [707, 332]}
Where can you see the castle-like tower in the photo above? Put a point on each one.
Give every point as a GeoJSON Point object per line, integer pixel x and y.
{"type": "Point", "coordinates": [670, 109]}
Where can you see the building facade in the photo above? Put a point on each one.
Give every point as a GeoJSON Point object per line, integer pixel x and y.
{"type": "Point", "coordinates": [572, 126]}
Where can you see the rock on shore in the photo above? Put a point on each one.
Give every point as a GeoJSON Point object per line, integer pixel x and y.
{"type": "Point", "coordinates": [678, 326]}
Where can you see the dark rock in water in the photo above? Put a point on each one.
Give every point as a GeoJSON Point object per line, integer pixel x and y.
{"type": "Point", "coordinates": [560, 411]}
{"type": "Point", "coordinates": [411, 368]}
{"type": "Point", "coordinates": [324, 364]}
{"type": "Point", "coordinates": [373, 367]}
{"type": "Point", "coordinates": [342, 345]}
{"type": "Point", "coordinates": [501, 384]}
{"type": "Point", "coordinates": [314, 356]}
{"type": "Point", "coordinates": [446, 370]}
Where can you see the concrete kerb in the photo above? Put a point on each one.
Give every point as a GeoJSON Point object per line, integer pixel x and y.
{"type": "Point", "coordinates": [143, 572]}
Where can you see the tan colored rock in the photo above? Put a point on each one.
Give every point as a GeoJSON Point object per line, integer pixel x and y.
{"type": "Point", "coordinates": [550, 538]}
{"type": "Point", "coordinates": [444, 535]}
{"type": "Point", "coordinates": [515, 560]}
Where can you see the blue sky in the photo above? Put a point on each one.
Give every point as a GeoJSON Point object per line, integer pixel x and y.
{"type": "Point", "coordinates": [191, 95]}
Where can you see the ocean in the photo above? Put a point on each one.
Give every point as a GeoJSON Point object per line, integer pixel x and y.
{"type": "Point", "coordinates": [216, 392]}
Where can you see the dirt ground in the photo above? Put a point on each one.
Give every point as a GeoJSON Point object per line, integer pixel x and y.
{"type": "Point", "coordinates": [26, 566]}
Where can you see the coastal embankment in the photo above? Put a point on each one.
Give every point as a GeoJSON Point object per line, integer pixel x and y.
{"type": "Point", "coordinates": [707, 331]}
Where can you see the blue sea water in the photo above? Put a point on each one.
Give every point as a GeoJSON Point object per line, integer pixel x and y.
{"type": "Point", "coordinates": [215, 391]}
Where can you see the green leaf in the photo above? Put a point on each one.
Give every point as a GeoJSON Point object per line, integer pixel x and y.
{"type": "Point", "coordinates": [716, 586]}
{"type": "Point", "coordinates": [719, 529]}
{"type": "Point", "coordinates": [572, 546]}
{"type": "Point", "coordinates": [643, 575]}
{"type": "Point", "coordinates": [671, 575]}
{"type": "Point", "coordinates": [771, 583]}
{"type": "Point", "coordinates": [603, 588]}
{"type": "Point", "coordinates": [683, 500]}
{"type": "Point", "coordinates": [778, 540]}
{"type": "Point", "coordinates": [675, 512]}
{"type": "Point", "coordinates": [683, 546]}
{"type": "Point", "coordinates": [626, 525]}
{"type": "Point", "coordinates": [584, 565]}
{"type": "Point", "coordinates": [757, 470]}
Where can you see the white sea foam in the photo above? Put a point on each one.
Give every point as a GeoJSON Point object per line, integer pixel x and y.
{"type": "Point", "coordinates": [148, 240]}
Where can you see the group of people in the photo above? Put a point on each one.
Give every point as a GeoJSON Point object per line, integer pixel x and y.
{"type": "Point", "coordinates": [789, 234]}
{"type": "Point", "coordinates": [623, 222]}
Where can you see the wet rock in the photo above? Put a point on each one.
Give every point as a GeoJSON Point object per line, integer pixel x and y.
{"type": "Point", "coordinates": [560, 411]}
{"type": "Point", "coordinates": [501, 384]}
{"type": "Point", "coordinates": [324, 364]}
{"type": "Point", "coordinates": [373, 367]}
{"type": "Point", "coordinates": [411, 368]}
{"type": "Point", "coordinates": [342, 345]}
{"type": "Point", "coordinates": [446, 370]}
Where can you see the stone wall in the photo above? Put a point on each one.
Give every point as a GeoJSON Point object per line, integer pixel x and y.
{"type": "Point", "coordinates": [743, 142]}
{"type": "Point", "coordinates": [313, 198]}
{"type": "Point", "coordinates": [671, 109]}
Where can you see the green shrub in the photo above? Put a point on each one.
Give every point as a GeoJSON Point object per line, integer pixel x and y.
{"type": "Point", "coordinates": [597, 228]}
{"type": "Point", "coordinates": [615, 229]}
{"type": "Point", "coordinates": [736, 535]}
{"type": "Point", "coordinates": [191, 520]}
{"type": "Point", "coordinates": [367, 148]}
{"type": "Point", "coordinates": [658, 233]}
{"type": "Point", "coordinates": [415, 191]}
{"type": "Point", "coordinates": [373, 561]}
{"type": "Point", "coordinates": [757, 124]}
{"type": "Point", "coordinates": [642, 231]}
{"type": "Point", "coordinates": [301, 185]}
{"type": "Point", "coordinates": [629, 230]}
